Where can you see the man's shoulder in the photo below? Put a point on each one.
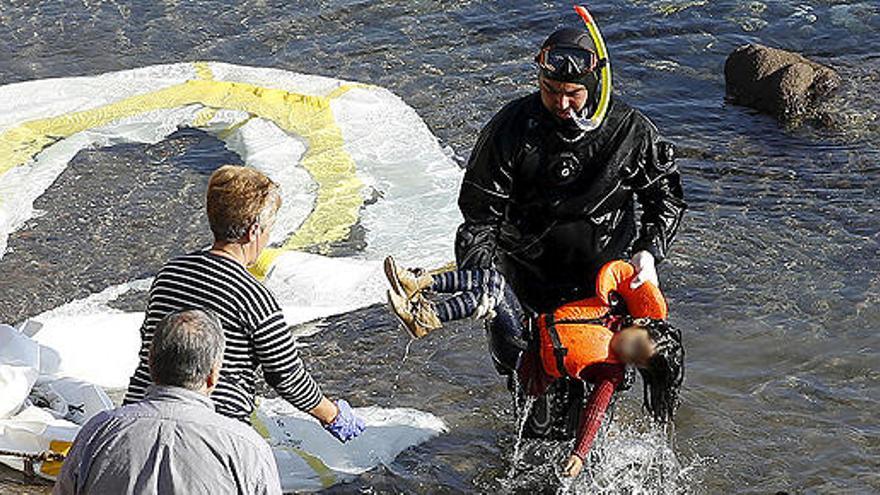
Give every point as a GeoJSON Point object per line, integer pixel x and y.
{"type": "Point", "coordinates": [525, 103]}
{"type": "Point", "coordinates": [97, 421]}
{"type": "Point", "coordinates": [233, 429]}
{"type": "Point", "coordinates": [507, 127]}
{"type": "Point", "coordinates": [196, 421]}
{"type": "Point", "coordinates": [107, 422]}
{"type": "Point", "coordinates": [514, 113]}
{"type": "Point", "coordinates": [250, 449]}
{"type": "Point", "coordinates": [629, 116]}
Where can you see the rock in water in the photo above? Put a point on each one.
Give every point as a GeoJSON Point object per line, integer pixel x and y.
{"type": "Point", "coordinates": [782, 83]}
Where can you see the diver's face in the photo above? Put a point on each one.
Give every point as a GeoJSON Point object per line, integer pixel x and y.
{"type": "Point", "coordinates": [633, 346]}
{"type": "Point", "coordinates": [560, 97]}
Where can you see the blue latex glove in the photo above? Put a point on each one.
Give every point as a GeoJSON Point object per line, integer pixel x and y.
{"type": "Point", "coordinates": [346, 425]}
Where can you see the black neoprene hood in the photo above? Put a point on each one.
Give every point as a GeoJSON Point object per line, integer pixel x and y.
{"type": "Point", "coordinates": [569, 38]}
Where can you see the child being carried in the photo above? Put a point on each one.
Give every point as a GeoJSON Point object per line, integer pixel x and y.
{"type": "Point", "coordinates": [593, 339]}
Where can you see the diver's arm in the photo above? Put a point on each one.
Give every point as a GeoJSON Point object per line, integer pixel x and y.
{"type": "Point", "coordinates": [485, 192]}
{"type": "Point", "coordinates": [659, 192]}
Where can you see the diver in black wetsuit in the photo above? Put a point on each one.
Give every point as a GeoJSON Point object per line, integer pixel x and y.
{"type": "Point", "coordinates": [547, 202]}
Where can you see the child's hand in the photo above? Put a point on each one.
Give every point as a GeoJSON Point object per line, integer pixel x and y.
{"type": "Point", "coordinates": [573, 466]}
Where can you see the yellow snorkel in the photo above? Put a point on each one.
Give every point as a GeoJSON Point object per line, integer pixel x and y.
{"type": "Point", "coordinates": [595, 120]}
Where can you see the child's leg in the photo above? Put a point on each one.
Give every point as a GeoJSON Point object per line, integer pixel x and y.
{"type": "Point", "coordinates": [458, 307]}
{"type": "Point", "coordinates": [472, 285]}
{"type": "Point", "coordinates": [469, 280]}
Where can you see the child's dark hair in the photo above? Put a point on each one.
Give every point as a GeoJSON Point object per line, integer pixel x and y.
{"type": "Point", "coordinates": [665, 371]}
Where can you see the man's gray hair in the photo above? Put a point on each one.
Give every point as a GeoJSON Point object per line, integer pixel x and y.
{"type": "Point", "coordinates": [186, 345]}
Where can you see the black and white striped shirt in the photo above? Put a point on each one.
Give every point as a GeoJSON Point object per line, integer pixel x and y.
{"type": "Point", "coordinates": [254, 326]}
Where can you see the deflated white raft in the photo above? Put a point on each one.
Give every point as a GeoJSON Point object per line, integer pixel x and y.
{"type": "Point", "coordinates": [344, 154]}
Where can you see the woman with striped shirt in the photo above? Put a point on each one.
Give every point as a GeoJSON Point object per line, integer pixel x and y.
{"type": "Point", "coordinates": [242, 204]}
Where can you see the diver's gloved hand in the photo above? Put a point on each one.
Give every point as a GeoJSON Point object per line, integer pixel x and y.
{"type": "Point", "coordinates": [346, 425]}
{"type": "Point", "coordinates": [643, 261]}
{"type": "Point", "coordinates": [486, 309]}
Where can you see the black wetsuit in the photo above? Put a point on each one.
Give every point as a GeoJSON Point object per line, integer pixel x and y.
{"type": "Point", "coordinates": [548, 205]}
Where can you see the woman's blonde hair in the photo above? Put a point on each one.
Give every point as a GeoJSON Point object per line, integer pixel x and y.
{"type": "Point", "coordinates": [237, 198]}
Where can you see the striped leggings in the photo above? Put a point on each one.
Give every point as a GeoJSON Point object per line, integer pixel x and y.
{"type": "Point", "coordinates": [469, 286]}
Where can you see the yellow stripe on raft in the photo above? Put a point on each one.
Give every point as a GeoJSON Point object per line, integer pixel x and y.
{"type": "Point", "coordinates": [203, 71]}
{"type": "Point", "coordinates": [325, 474]}
{"type": "Point", "coordinates": [205, 115]}
{"type": "Point", "coordinates": [339, 198]}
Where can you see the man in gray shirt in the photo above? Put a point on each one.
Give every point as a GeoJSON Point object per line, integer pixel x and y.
{"type": "Point", "coordinates": [172, 441]}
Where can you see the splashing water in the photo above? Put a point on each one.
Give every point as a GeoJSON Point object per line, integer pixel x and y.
{"type": "Point", "coordinates": [635, 458]}
{"type": "Point", "coordinates": [406, 351]}
{"type": "Point", "coordinates": [630, 456]}
{"type": "Point", "coordinates": [522, 413]}
{"type": "Point", "coordinates": [400, 365]}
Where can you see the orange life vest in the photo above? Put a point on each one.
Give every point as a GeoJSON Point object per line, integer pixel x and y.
{"type": "Point", "coordinates": [575, 336]}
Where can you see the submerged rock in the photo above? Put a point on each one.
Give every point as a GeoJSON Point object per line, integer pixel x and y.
{"type": "Point", "coordinates": [782, 83]}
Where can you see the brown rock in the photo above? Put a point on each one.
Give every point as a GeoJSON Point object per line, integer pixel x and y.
{"type": "Point", "coordinates": [782, 83]}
